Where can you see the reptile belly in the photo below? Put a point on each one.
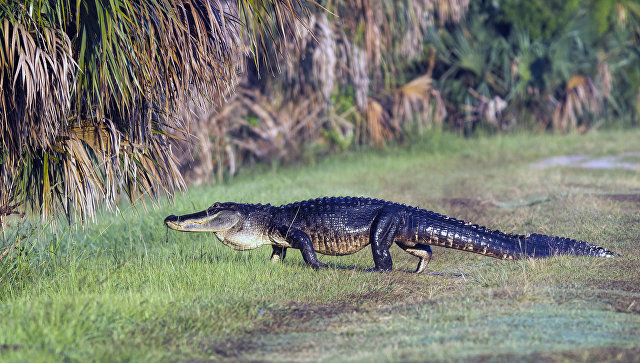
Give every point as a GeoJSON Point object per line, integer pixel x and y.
{"type": "Point", "coordinates": [338, 244]}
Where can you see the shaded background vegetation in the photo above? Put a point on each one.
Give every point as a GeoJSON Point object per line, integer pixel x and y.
{"type": "Point", "coordinates": [376, 71]}
{"type": "Point", "coordinates": [103, 99]}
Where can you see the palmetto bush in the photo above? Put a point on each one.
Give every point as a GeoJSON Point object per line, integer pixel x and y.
{"type": "Point", "coordinates": [514, 80]}
{"type": "Point", "coordinates": [92, 91]}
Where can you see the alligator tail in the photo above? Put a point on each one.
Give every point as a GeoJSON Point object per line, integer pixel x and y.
{"type": "Point", "coordinates": [436, 229]}
{"type": "Point", "coordinates": [539, 245]}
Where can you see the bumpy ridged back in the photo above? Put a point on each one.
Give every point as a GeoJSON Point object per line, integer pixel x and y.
{"type": "Point", "coordinates": [349, 201]}
{"type": "Point", "coordinates": [440, 230]}
{"type": "Point", "coordinates": [336, 226]}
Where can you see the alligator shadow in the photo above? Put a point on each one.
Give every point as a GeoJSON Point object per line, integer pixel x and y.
{"type": "Point", "coordinates": [360, 269]}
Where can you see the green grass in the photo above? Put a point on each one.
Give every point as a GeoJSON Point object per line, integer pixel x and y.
{"type": "Point", "coordinates": [124, 289]}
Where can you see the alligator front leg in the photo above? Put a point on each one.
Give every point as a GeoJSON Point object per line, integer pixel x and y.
{"type": "Point", "coordinates": [383, 231]}
{"type": "Point", "coordinates": [301, 241]}
{"type": "Point", "coordinates": [278, 254]}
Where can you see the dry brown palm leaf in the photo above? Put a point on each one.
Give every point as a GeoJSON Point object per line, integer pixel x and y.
{"type": "Point", "coordinates": [451, 10]}
{"type": "Point", "coordinates": [41, 67]}
{"type": "Point", "coordinates": [419, 101]}
{"type": "Point", "coordinates": [417, 88]}
{"type": "Point", "coordinates": [376, 122]}
{"type": "Point", "coordinates": [277, 117]}
{"type": "Point", "coordinates": [581, 96]}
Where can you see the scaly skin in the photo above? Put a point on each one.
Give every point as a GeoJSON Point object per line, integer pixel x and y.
{"type": "Point", "coordinates": [345, 225]}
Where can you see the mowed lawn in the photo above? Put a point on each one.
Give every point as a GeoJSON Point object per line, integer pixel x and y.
{"type": "Point", "coordinates": [125, 288]}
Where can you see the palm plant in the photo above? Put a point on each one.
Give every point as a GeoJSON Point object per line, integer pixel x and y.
{"type": "Point", "coordinates": [503, 78]}
{"type": "Point", "coordinates": [91, 92]}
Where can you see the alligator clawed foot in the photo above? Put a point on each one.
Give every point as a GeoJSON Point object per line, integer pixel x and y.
{"type": "Point", "coordinates": [319, 266]}
{"type": "Point", "coordinates": [447, 274]}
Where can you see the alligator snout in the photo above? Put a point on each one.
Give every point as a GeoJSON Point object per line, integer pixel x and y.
{"type": "Point", "coordinates": [171, 219]}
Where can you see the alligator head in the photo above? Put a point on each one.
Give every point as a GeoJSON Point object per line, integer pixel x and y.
{"type": "Point", "coordinates": [233, 224]}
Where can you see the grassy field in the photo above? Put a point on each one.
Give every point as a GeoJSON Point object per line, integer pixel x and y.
{"type": "Point", "coordinates": [126, 289]}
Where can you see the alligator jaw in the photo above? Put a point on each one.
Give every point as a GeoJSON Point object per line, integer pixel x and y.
{"type": "Point", "coordinates": [205, 221]}
{"type": "Point", "coordinates": [172, 222]}
{"type": "Point", "coordinates": [180, 223]}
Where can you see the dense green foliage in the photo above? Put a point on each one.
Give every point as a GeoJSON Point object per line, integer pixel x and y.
{"type": "Point", "coordinates": [540, 19]}
{"type": "Point", "coordinates": [555, 64]}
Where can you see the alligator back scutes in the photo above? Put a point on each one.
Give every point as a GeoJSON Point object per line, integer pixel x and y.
{"type": "Point", "coordinates": [326, 216]}
{"type": "Point", "coordinates": [322, 203]}
{"type": "Point", "coordinates": [458, 222]}
{"type": "Point", "coordinates": [343, 201]}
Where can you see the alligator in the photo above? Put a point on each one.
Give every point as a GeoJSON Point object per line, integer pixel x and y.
{"type": "Point", "coordinates": [344, 225]}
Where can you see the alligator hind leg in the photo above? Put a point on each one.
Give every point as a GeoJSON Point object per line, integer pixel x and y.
{"type": "Point", "coordinates": [278, 254]}
{"type": "Point", "coordinates": [423, 252]}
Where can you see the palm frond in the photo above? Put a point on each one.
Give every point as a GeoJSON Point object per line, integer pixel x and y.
{"type": "Point", "coordinates": [582, 97]}
{"type": "Point", "coordinates": [91, 91]}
